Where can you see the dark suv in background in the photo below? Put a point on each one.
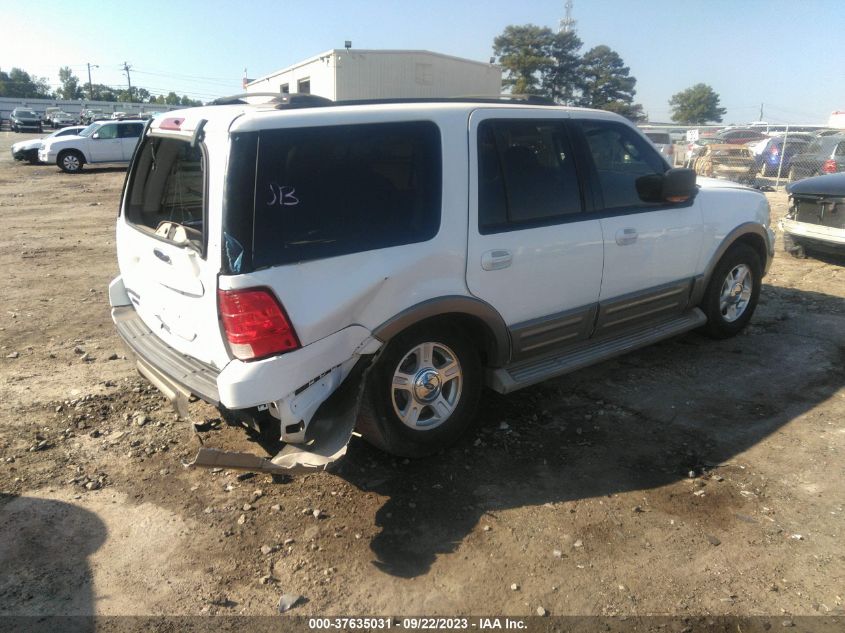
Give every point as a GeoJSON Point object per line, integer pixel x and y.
{"type": "Point", "coordinates": [769, 159]}
{"type": "Point", "coordinates": [825, 155]}
{"type": "Point", "coordinates": [23, 118]}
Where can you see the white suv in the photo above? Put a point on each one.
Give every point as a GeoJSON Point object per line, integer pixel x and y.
{"type": "Point", "coordinates": [328, 267]}
{"type": "Point", "coordinates": [100, 142]}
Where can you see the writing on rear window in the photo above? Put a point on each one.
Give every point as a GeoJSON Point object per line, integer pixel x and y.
{"type": "Point", "coordinates": [349, 188]}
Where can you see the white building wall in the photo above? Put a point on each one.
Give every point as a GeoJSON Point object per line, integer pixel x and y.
{"type": "Point", "coordinates": [360, 74]}
{"type": "Point", "coordinates": [319, 71]}
{"type": "Point", "coordinates": [412, 74]}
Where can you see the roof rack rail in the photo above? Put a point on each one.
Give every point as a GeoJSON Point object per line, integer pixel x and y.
{"type": "Point", "coordinates": [524, 99]}
{"type": "Point", "coordinates": [297, 100]}
{"type": "Point", "coordinates": [280, 100]}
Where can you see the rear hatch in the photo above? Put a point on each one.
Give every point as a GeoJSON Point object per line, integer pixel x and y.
{"type": "Point", "coordinates": [168, 255]}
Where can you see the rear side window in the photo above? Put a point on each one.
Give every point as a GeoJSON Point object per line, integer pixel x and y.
{"type": "Point", "coordinates": [166, 191]}
{"type": "Point", "coordinates": [526, 176]}
{"type": "Point", "coordinates": [131, 130]}
{"type": "Point", "coordinates": [328, 191]}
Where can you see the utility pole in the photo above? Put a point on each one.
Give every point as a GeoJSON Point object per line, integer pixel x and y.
{"type": "Point", "coordinates": [761, 113]}
{"type": "Point", "coordinates": [90, 89]}
{"type": "Point", "coordinates": [126, 68]}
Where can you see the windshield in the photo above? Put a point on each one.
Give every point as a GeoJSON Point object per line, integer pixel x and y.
{"type": "Point", "coordinates": [88, 131]}
{"type": "Point", "coordinates": [27, 113]}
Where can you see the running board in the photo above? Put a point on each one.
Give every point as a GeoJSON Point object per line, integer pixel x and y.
{"type": "Point", "coordinates": [530, 372]}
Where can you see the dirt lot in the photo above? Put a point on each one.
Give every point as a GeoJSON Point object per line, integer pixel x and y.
{"type": "Point", "coordinates": [692, 477]}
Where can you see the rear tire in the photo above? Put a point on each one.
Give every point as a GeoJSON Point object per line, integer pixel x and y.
{"type": "Point", "coordinates": [733, 291]}
{"type": "Point", "coordinates": [70, 161]}
{"type": "Point", "coordinates": [422, 393]}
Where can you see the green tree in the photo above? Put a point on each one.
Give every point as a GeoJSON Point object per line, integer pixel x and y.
{"type": "Point", "coordinates": [523, 51]}
{"type": "Point", "coordinates": [70, 85]}
{"type": "Point", "coordinates": [101, 92]}
{"type": "Point", "coordinates": [607, 83]}
{"type": "Point", "coordinates": [18, 83]}
{"type": "Point", "coordinates": [696, 105]}
{"type": "Point", "coordinates": [562, 78]}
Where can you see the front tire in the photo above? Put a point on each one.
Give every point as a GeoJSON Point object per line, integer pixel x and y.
{"type": "Point", "coordinates": [70, 161]}
{"type": "Point", "coordinates": [422, 393]}
{"type": "Point", "coordinates": [732, 294]}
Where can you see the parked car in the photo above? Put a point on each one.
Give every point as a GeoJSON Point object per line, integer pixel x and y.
{"type": "Point", "coordinates": [61, 119]}
{"type": "Point", "coordinates": [732, 162]}
{"type": "Point", "coordinates": [663, 143]}
{"type": "Point", "coordinates": [740, 136]}
{"type": "Point", "coordinates": [28, 150]}
{"type": "Point", "coordinates": [825, 155]}
{"type": "Point", "coordinates": [277, 259]}
{"type": "Point", "coordinates": [100, 142]}
{"type": "Point", "coordinates": [815, 219]}
{"type": "Point", "coordinates": [695, 148]}
{"type": "Point", "coordinates": [24, 119]}
{"type": "Point", "coordinates": [769, 160]}
{"type": "Point", "coordinates": [829, 132]}
{"type": "Point", "coordinates": [89, 115]}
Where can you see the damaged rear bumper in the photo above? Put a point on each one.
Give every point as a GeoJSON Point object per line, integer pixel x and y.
{"type": "Point", "coordinates": [318, 408]}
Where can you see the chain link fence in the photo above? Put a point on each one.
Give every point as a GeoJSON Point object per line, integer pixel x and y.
{"type": "Point", "coordinates": [760, 155]}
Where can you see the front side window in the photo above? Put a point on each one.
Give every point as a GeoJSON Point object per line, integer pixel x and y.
{"type": "Point", "coordinates": [621, 157]}
{"type": "Point", "coordinates": [107, 132]}
{"type": "Point", "coordinates": [526, 175]}
{"type": "Point", "coordinates": [166, 191]}
{"type": "Point", "coordinates": [328, 191]}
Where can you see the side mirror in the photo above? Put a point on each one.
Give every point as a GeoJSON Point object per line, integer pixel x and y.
{"type": "Point", "coordinates": [95, 135]}
{"type": "Point", "coordinates": [675, 186]}
{"type": "Point", "coordinates": [679, 185]}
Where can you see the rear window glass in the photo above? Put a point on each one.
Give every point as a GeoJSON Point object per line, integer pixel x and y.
{"type": "Point", "coordinates": [328, 191]}
{"type": "Point", "coordinates": [166, 191]}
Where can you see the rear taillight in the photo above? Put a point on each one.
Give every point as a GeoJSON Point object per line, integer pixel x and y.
{"type": "Point", "coordinates": [829, 166]}
{"type": "Point", "coordinates": [774, 151]}
{"type": "Point", "coordinates": [255, 323]}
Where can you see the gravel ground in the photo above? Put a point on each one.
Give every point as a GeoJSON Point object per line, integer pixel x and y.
{"type": "Point", "coordinates": [693, 477]}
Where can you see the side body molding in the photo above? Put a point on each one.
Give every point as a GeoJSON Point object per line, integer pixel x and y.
{"type": "Point", "coordinates": [747, 228]}
{"type": "Point", "coordinates": [497, 340]}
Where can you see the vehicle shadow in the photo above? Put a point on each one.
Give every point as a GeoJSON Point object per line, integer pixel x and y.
{"type": "Point", "coordinates": [46, 582]}
{"type": "Point", "coordinates": [638, 422]}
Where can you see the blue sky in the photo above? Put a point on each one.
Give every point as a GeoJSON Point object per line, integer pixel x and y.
{"type": "Point", "coordinates": [789, 56]}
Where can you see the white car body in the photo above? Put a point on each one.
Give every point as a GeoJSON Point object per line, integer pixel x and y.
{"type": "Point", "coordinates": [531, 287]}
{"type": "Point", "coordinates": [101, 142]}
{"type": "Point", "coordinates": [21, 149]}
